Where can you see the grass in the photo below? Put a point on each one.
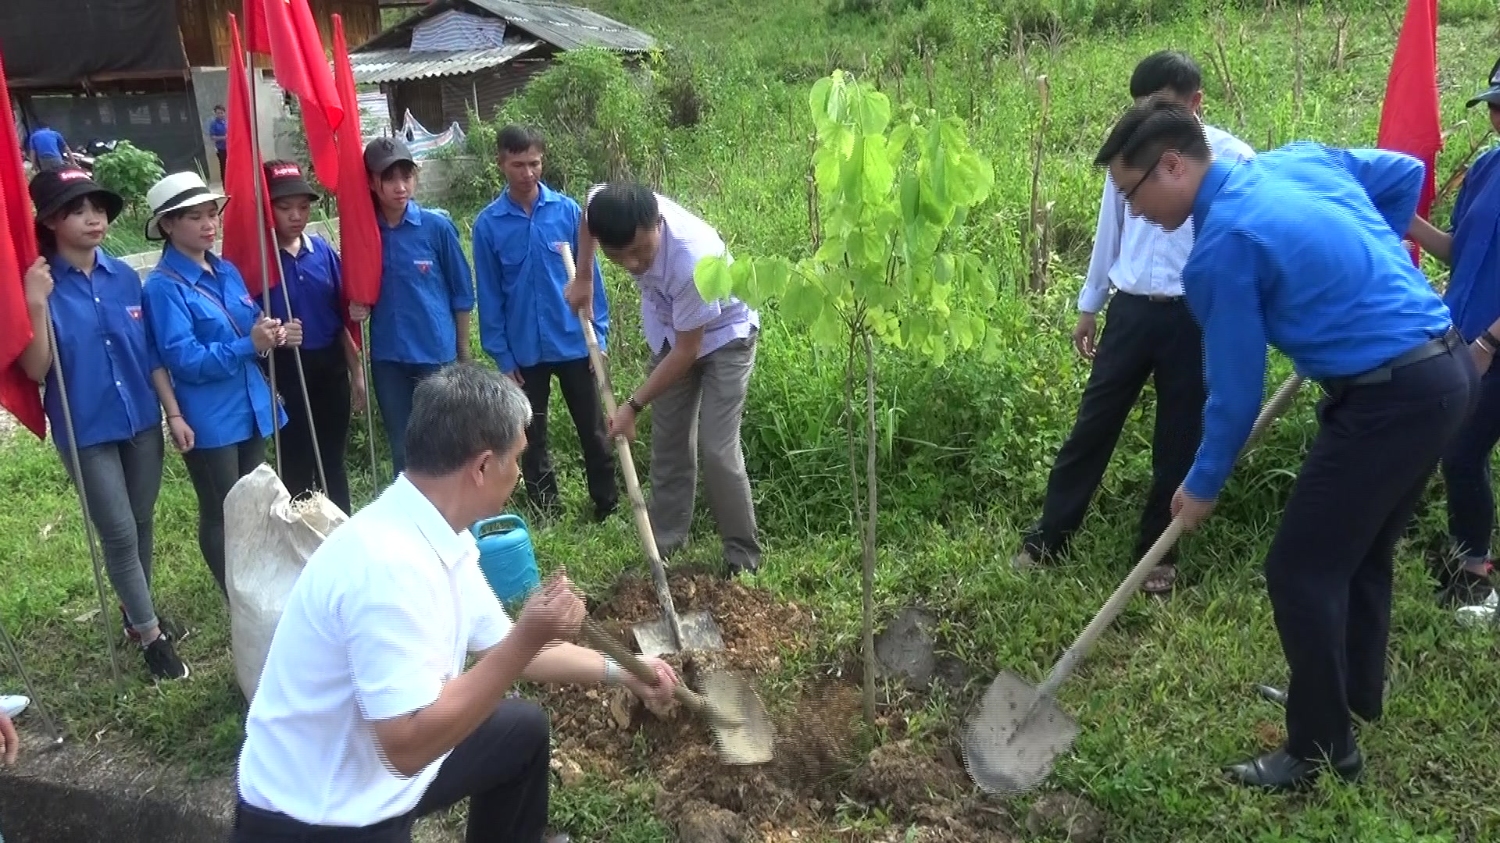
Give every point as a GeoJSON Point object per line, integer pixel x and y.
{"type": "Point", "coordinates": [1166, 698]}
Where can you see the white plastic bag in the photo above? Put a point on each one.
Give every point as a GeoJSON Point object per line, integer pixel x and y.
{"type": "Point", "coordinates": [268, 538]}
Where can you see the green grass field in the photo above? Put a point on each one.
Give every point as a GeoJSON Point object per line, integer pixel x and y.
{"type": "Point", "coordinates": [1166, 699]}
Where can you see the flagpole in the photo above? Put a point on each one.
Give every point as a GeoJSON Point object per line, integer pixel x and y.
{"type": "Point", "coordinates": [364, 363]}
{"type": "Point", "coordinates": [260, 238]}
{"type": "Point", "coordinates": [83, 505]}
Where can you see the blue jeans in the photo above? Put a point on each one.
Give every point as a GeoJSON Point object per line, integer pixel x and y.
{"type": "Point", "coordinates": [1466, 473]}
{"type": "Point", "coordinates": [394, 384]}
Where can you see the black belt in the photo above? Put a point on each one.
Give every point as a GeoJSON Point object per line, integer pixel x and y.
{"type": "Point", "coordinates": [1382, 374]}
{"type": "Point", "coordinates": [1152, 297]}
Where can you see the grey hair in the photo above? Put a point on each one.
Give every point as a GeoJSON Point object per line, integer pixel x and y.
{"type": "Point", "coordinates": [460, 411]}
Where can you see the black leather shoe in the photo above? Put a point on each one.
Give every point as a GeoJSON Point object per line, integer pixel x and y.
{"type": "Point", "coordinates": [557, 837]}
{"type": "Point", "coordinates": [1277, 696]}
{"type": "Point", "coordinates": [1280, 770]}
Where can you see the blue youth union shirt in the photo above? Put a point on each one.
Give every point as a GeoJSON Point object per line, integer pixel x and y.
{"type": "Point", "coordinates": [1300, 248]}
{"type": "Point", "coordinates": [424, 281]}
{"type": "Point", "coordinates": [313, 280]}
{"type": "Point", "coordinates": [104, 351]}
{"type": "Point", "coordinates": [200, 322]}
{"type": "Point", "coordinates": [1474, 284]}
{"type": "Point", "coordinates": [524, 319]}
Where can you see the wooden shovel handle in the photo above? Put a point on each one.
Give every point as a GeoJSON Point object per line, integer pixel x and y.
{"type": "Point", "coordinates": [607, 644]}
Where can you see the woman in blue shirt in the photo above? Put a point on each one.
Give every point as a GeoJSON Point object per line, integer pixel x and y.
{"type": "Point", "coordinates": [421, 321]}
{"type": "Point", "coordinates": [209, 332]}
{"type": "Point", "coordinates": [312, 278]}
{"type": "Point", "coordinates": [1472, 249]}
{"type": "Point", "coordinates": [114, 385]}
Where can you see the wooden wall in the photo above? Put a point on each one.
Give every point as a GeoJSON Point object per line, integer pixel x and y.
{"type": "Point", "coordinates": [204, 25]}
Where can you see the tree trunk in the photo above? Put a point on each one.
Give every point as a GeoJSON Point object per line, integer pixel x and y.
{"type": "Point", "coordinates": [869, 533]}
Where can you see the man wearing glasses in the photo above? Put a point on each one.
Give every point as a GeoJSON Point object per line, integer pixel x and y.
{"type": "Point", "coordinates": [1149, 334]}
{"type": "Point", "coordinates": [1301, 249]}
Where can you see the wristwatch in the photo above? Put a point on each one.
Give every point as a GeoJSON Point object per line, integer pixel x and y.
{"type": "Point", "coordinates": [635, 405]}
{"type": "Point", "coordinates": [611, 671]}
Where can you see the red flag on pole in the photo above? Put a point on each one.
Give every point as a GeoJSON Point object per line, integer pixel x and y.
{"type": "Point", "coordinates": [19, 394]}
{"type": "Point", "coordinates": [243, 232]}
{"type": "Point", "coordinates": [1410, 120]}
{"type": "Point", "coordinates": [285, 30]}
{"type": "Point", "coordinates": [359, 234]}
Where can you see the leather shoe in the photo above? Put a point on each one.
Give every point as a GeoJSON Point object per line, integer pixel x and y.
{"type": "Point", "coordinates": [1280, 770]}
{"type": "Point", "coordinates": [557, 837]}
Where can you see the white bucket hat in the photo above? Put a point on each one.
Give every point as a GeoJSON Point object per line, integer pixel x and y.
{"type": "Point", "coordinates": [174, 193]}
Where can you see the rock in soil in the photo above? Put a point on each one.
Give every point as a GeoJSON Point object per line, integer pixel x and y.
{"type": "Point", "coordinates": [699, 822]}
{"type": "Point", "coordinates": [907, 648]}
{"type": "Point", "coordinates": [1064, 813]}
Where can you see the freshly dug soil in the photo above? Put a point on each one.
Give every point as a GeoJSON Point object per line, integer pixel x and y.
{"type": "Point", "coordinates": [818, 762]}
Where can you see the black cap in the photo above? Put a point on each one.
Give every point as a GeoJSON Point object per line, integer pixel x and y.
{"type": "Point", "coordinates": [52, 190]}
{"type": "Point", "coordinates": [1493, 94]}
{"type": "Point", "coordinates": [381, 153]}
{"type": "Point", "coordinates": [284, 178]}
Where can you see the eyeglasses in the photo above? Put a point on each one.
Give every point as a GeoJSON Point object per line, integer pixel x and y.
{"type": "Point", "coordinates": [1144, 176]}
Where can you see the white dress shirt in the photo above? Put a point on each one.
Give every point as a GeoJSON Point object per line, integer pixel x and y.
{"type": "Point", "coordinates": [383, 614]}
{"type": "Point", "coordinates": [1140, 257]}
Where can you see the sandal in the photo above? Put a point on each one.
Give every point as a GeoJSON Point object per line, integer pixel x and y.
{"type": "Point", "coordinates": [1163, 578]}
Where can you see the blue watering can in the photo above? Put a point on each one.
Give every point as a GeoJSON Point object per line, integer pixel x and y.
{"type": "Point", "coordinates": [506, 557]}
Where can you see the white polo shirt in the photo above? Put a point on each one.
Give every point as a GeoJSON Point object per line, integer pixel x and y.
{"type": "Point", "coordinates": [384, 613]}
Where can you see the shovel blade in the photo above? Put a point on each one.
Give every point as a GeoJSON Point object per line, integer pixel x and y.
{"type": "Point", "coordinates": [699, 632]}
{"type": "Point", "coordinates": [1007, 747]}
{"type": "Point", "coordinates": [742, 727]}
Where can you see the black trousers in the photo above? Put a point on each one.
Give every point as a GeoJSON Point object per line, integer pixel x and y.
{"type": "Point", "coordinates": [501, 768]}
{"type": "Point", "coordinates": [576, 378]}
{"type": "Point", "coordinates": [327, 373]}
{"type": "Point", "coordinates": [1142, 339]}
{"type": "Point", "coordinates": [1328, 572]}
{"type": "Point", "coordinates": [214, 471]}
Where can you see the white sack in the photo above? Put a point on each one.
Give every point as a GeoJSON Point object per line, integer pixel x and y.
{"type": "Point", "coordinates": [268, 539]}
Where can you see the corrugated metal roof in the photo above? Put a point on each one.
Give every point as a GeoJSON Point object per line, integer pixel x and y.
{"type": "Point", "coordinates": [568, 27]}
{"type": "Point", "coordinates": [401, 65]}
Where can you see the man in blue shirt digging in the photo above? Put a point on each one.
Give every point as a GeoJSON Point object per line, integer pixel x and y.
{"type": "Point", "coordinates": [1301, 249]}
{"type": "Point", "coordinates": [525, 324]}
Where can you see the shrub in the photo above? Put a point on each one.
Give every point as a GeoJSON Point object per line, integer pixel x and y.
{"type": "Point", "coordinates": [129, 171]}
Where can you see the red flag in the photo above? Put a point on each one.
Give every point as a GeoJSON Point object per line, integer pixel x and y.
{"type": "Point", "coordinates": [243, 233]}
{"type": "Point", "coordinates": [1410, 120]}
{"type": "Point", "coordinates": [285, 29]}
{"type": "Point", "coordinates": [18, 393]}
{"type": "Point", "coordinates": [359, 234]}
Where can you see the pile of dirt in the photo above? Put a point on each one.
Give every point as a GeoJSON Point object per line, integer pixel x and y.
{"type": "Point", "coordinates": [818, 764]}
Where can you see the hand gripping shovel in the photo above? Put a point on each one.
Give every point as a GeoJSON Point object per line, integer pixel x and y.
{"type": "Point", "coordinates": [673, 633]}
{"type": "Point", "coordinates": [1018, 731]}
{"type": "Point", "coordinates": [741, 726]}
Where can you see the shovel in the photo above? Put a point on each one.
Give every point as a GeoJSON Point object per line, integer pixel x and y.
{"type": "Point", "coordinates": [1018, 730]}
{"type": "Point", "coordinates": [741, 726]}
{"type": "Point", "coordinates": [673, 633]}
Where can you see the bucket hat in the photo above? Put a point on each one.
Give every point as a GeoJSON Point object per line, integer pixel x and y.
{"type": "Point", "coordinates": [174, 193]}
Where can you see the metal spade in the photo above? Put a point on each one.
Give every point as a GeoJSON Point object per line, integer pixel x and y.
{"type": "Point", "coordinates": [1018, 731]}
{"type": "Point", "coordinates": [673, 633]}
{"type": "Point", "coordinates": [742, 728]}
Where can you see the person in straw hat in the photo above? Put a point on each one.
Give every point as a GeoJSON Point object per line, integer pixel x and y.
{"type": "Point", "coordinates": [209, 332]}
{"type": "Point", "coordinates": [115, 386]}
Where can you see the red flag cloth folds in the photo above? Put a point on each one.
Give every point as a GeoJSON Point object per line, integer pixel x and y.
{"type": "Point", "coordinates": [18, 393]}
{"type": "Point", "coordinates": [359, 234]}
{"type": "Point", "coordinates": [285, 30]}
{"type": "Point", "coordinates": [1410, 119]}
{"type": "Point", "coordinates": [243, 233]}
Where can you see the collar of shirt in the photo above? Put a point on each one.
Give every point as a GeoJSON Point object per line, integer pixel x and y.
{"type": "Point", "coordinates": [453, 547]}
{"type": "Point", "coordinates": [411, 216]}
{"type": "Point", "coordinates": [184, 266]}
{"type": "Point", "coordinates": [305, 246]}
{"type": "Point", "coordinates": [544, 195]}
{"type": "Point", "coordinates": [1213, 182]}
{"type": "Point", "coordinates": [102, 261]}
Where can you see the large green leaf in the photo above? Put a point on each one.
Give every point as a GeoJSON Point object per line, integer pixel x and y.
{"type": "Point", "coordinates": [713, 278]}
{"type": "Point", "coordinates": [803, 302]}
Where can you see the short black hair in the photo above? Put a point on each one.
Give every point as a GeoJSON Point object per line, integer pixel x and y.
{"type": "Point", "coordinates": [516, 139]}
{"type": "Point", "coordinates": [218, 108]}
{"type": "Point", "coordinates": [46, 238]}
{"type": "Point", "coordinates": [1151, 128]}
{"type": "Point", "coordinates": [620, 211]}
{"type": "Point", "coordinates": [1166, 70]}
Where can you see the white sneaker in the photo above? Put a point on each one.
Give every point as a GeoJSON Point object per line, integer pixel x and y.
{"type": "Point", "coordinates": [13, 705]}
{"type": "Point", "coordinates": [1481, 613]}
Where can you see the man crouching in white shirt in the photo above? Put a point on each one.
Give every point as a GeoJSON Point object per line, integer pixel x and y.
{"type": "Point", "coordinates": [364, 719]}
